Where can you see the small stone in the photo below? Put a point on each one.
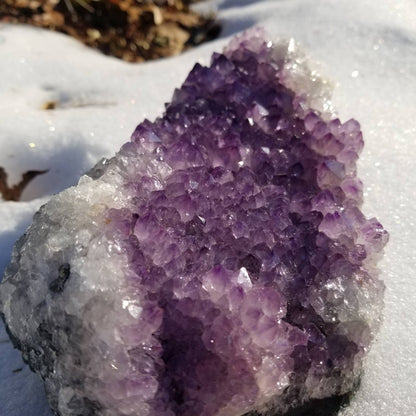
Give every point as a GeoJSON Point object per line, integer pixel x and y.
{"type": "Point", "coordinates": [218, 265]}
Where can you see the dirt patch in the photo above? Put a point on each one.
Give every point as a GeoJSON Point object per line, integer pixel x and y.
{"type": "Point", "coordinates": [132, 30]}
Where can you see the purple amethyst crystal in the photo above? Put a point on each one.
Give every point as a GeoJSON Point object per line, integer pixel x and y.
{"type": "Point", "coordinates": [218, 265]}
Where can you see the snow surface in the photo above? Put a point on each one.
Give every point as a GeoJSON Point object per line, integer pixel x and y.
{"type": "Point", "coordinates": [367, 47]}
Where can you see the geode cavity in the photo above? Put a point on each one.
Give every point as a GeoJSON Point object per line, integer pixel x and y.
{"type": "Point", "coordinates": [219, 264]}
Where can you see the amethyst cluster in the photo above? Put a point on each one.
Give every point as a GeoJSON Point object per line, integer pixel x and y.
{"type": "Point", "coordinates": [218, 265]}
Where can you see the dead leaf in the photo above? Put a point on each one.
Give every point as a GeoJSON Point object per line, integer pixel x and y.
{"type": "Point", "coordinates": [49, 105]}
{"type": "Point", "coordinates": [14, 193]}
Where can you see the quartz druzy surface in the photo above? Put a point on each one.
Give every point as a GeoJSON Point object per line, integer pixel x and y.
{"type": "Point", "coordinates": [219, 264]}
